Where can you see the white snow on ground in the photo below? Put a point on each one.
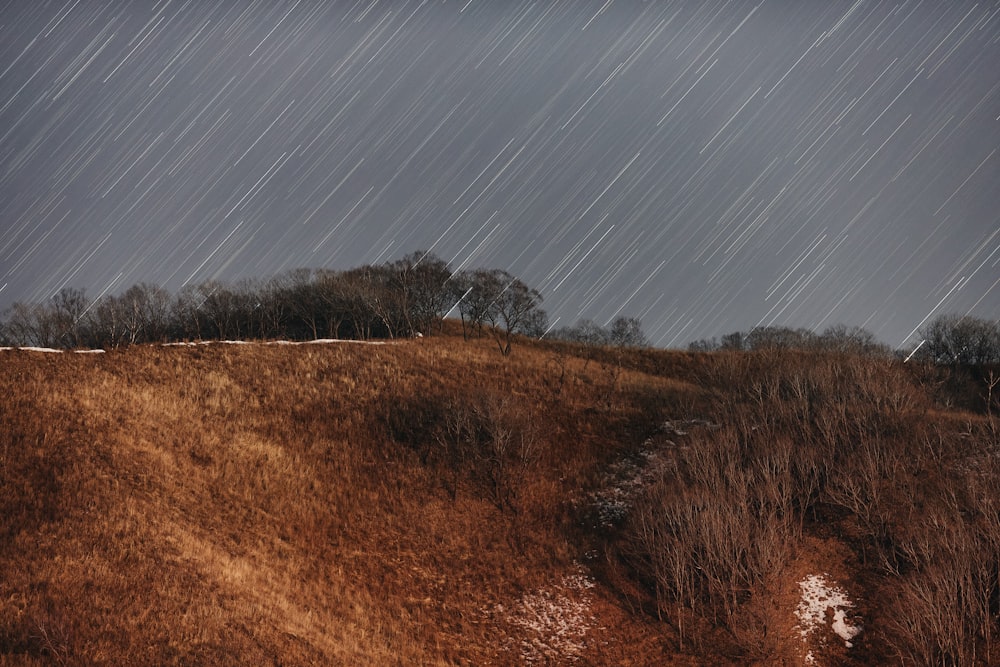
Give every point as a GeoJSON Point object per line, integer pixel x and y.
{"type": "Point", "coordinates": [338, 340]}
{"type": "Point", "coordinates": [820, 600]}
{"type": "Point", "coordinates": [277, 342]}
{"type": "Point", "coordinates": [554, 619]}
{"type": "Point", "coordinates": [206, 342]}
{"type": "Point", "coordinates": [215, 342]}
{"type": "Point", "coordinates": [49, 349]}
{"type": "Point", "coordinates": [627, 477]}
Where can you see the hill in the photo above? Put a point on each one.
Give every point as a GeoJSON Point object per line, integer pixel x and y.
{"type": "Point", "coordinates": [430, 501]}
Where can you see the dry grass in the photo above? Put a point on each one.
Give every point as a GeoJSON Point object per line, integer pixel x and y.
{"type": "Point", "coordinates": [360, 504]}
{"type": "Point", "coordinates": [266, 504]}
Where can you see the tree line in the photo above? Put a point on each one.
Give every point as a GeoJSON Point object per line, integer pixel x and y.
{"type": "Point", "coordinates": [406, 297]}
{"type": "Point", "coordinates": [954, 340]}
{"type": "Point", "coordinates": [621, 332]}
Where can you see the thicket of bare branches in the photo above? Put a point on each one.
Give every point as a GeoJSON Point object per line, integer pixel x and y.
{"type": "Point", "coordinates": [487, 438]}
{"type": "Point", "coordinates": [804, 434]}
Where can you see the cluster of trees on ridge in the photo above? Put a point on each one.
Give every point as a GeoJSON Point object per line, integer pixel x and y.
{"type": "Point", "coordinates": [401, 298]}
{"type": "Point", "coordinates": [622, 332]}
{"type": "Point", "coordinates": [404, 298]}
{"type": "Point", "coordinates": [957, 340]}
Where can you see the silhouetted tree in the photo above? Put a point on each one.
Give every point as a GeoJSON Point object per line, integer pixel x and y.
{"type": "Point", "coordinates": [420, 280]}
{"type": "Point", "coordinates": [67, 310]}
{"type": "Point", "coordinates": [627, 332]}
{"type": "Point", "coordinates": [188, 319]}
{"type": "Point", "coordinates": [961, 340]}
{"type": "Point", "coordinates": [850, 340]}
{"type": "Point", "coordinates": [778, 338]}
{"type": "Point", "coordinates": [584, 331]}
{"type": "Point", "coordinates": [733, 341]}
{"type": "Point", "coordinates": [512, 305]}
{"type": "Point", "coordinates": [29, 324]}
{"type": "Point", "coordinates": [477, 292]}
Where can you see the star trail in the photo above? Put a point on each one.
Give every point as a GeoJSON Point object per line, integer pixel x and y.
{"type": "Point", "coordinates": [704, 166]}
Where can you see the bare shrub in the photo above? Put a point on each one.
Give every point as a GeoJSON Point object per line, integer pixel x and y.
{"type": "Point", "coordinates": [53, 635]}
{"type": "Point", "coordinates": [714, 533]}
{"type": "Point", "coordinates": [861, 484]}
{"type": "Point", "coordinates": [943, 611]}
{"type": "Point", "coordinates": [508, 445]}
{"type": "Point", "coordinates": [487, 435]}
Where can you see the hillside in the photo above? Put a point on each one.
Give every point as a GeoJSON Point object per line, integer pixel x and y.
{"type": "Point", "coordinates": [430, 501]}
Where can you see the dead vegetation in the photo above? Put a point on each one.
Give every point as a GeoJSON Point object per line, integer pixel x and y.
{"type": "Point", "coordinates": [433, 502]}
{"type": "Point", "coordinates": [825, 444]}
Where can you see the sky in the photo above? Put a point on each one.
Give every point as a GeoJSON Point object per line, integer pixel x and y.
{"type": "Point", "coordinates": [704, 166]}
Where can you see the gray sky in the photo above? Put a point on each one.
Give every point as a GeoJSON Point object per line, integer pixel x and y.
{"type": "Point", "coordinates": [705, 166]}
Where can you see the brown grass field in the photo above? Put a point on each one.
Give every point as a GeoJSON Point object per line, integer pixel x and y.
{"type": "Point", "coordinates": [430, 502]}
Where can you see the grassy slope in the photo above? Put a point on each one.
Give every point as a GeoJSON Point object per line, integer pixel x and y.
{"type": "Point", "coordinates": [250, 504]}
{"type": "Point", "coordinates": [224, 504]}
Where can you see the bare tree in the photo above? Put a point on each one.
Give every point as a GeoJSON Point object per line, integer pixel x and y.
{"type": "Point", "coordinates": [67, 311]}
{"type": "Point", "coordinates": [187, 314]}
{"type": "Point", "coordinates": [475, 294]}
{"type": "Point", "coordinates": [421, 281]}
{"type": "Point", "coordinates": [775, 337]}
{"type": "Point", "coordinates": [508, 447]}
{"type": "Point", "coordinates": [490, 435]}
{"type": "Point", "coordinates": [627, 332]}
{"type": "Point", "coordinates": [30, 324]}
{"type": "Point", "coordinates": [511, 305]}
{"type": "Point", "coordinates": [585, 331]}
{"type": "Point", "coordinates": [961, 340]}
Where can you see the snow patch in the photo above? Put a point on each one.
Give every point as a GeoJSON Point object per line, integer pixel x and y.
{"type": "Point", "coordinates": [554, 620]}
{"type": "Point", "coordinates": [626, 478]}
{"type": "Point", "coordinates": [319, 341]}
{"type": "Point", "coordinates": [49, 350]}
{"type": "Point", "coordinates": [819, 601]}
{"type": "Point", "coordinates": [343, 340]}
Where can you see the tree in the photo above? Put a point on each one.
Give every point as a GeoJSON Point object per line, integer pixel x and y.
{"type": "Point", "coordinates": [703, 345]}
{"type": "Point", "coordinates": [961, 340]}
{"type": "Point", "coordinates": [490, 435]}
{"type": "Point", "coordinates": [59, 323]}
{"type": "Point", "coordinates": [733, 341]}
{"type": "Point", "coordinates": [107, 324]}
{"type": "Point", "coordinates": [778, 338]}
{"type": "Point", "coordinates": [141, 314]}
{"type": "Point", "coordinates": [585, 331]}
{"type": "Point", "coordinates": [512, 305]}
{"type": "Point", "coordinates": [67, 311]}
{"type": "Point", "coordinates": [383, 301]}
{"type": "Point", "coordinates": [850, 340]}
{"type": "Point", "coordinates": [475, 291]}
{"type": "Point", "coordinates": [30, 324]}
{"type": "Point", "coordinates": [186, 314]}
{"type": "Point", "coordinates": [421, 281]}
{"type": "Point", "coordinates": [627, 332]}
{"type": "Point", "coordinates": [536, 323]}
{"type": "Point", "coordinates": [274, 310]}
{"type": "Point", "coordinates": [301, 295]}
